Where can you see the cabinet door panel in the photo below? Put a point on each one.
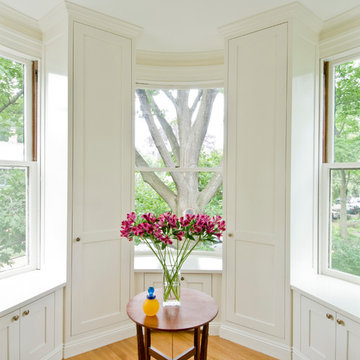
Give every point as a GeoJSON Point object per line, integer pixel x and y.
{"type": "Point", "coordinates": [37, 329]}
{"type": "Point", "coordinates": [347, 339]}
{"type": "Point", "coordinates": [9, 336]}
{"type": "Point", "coordinates": [201, 282]}
{"type": "Point", "coordinates": [317, 331]}
{"type": "Point", "coordinates": [256, 180]}
{"type": "Point", "coordinates": [102, 179]}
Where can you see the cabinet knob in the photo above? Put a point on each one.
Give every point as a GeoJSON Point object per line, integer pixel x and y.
{"type": "Point", "coordinates": [230, 235]}
{"type": "Point", "coordinates": [182, 278]}
{"type": "Point", "coordinates": [77, 239]}
{"type": "Point", "coordinates": [329, 316]}
{"type": "Point", "coordinates": [15, 318]}
{"type": "Point", "coordinates": [26, 312]}
{"type": "Point", "coordinates": [340, 322]}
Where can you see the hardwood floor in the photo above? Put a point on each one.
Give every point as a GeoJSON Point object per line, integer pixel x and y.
{"type": "Point", "coordinates": [218, 349]}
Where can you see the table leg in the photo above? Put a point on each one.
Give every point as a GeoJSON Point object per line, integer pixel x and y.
{"type": "Point", "coordinates": [147, 343]}
{"type": "Point", "coordinates": [197, 343]}
{"type": "Point", "coordinates": [140, 343]}
{"type": "Point", "coordinates": [204, 342]}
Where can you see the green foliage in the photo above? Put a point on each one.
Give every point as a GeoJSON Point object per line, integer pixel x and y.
{"type": "Point", "coordinates": [11, 99]}
{"type": "Point", "coordinates": [345, 254]}
{"type": "Point", "coordinates": [12, 214]}
{"type": "Point", "coordinates": [12, 180]}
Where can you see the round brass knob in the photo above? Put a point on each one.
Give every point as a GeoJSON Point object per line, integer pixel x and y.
{"type": "Point", "coordinates": [15, 318]}
{"type": "Point", "coordinates": [26, 312]}
{"type": "Point", "coordinates": [230, 235]}
{"type": "Point", "coordinates": [182, 278]}
{"type": "Point", "coordinates": [340, 322]}
{"type": "Point", "coordinates": [329, 316]}
{"type": "Point", "coordinates": [77, 239]}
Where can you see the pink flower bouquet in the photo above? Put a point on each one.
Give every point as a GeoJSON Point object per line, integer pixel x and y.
{"type": "Point", "coordinates": [172, 239]}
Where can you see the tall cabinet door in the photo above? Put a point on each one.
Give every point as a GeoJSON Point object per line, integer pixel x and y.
{"type": "Point", "coordinates": [256, 180]}
{"type": "Point", "coordinates": [102, 177]}
{"type": "Point", "coordinates": [9, 336]}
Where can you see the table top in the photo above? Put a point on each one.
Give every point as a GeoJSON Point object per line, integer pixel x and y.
{"type": "Point", "coordinates": [196, 309]}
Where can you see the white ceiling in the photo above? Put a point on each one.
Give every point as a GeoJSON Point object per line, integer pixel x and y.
{"type": "Point", "coordinates": [186, 25]}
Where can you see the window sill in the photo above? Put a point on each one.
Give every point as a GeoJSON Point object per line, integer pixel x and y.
{"type": "Point", "coordinates": [342, 296]}
{"type": "Point", "coordinates": [19, 289]}
{"type": "Point", "coordinates": [196, 263]}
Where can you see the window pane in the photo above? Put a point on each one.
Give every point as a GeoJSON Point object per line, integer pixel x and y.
{"type": "Point", "coordinates": [179, 128]}
{"type": "Point", "coordinates": [200, 191]}
{"type": "Point", "coordinates": [11, 110]}
{"type": "Point", "coordinates": [344, 246]}
{"type": "Point", "coordinates": [347, 112]}
{"type": "Point", "coordinates": [13, 227]}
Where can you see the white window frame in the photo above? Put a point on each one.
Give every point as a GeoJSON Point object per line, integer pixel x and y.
{"type": "Point", "coordinates": [150, 85]}
{"type": "Point", "coordinates": [32, 169]}
{"type": "Point", "coordinates": [325, 171]}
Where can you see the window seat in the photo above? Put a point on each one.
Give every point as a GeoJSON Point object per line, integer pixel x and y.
{"type": "Point", "coordinates": [339, 295]}
{"type": "Point", "coordinates": [19, 289]}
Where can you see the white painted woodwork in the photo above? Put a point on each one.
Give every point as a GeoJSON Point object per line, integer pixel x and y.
{"type": "Point", "coordinates": [255, 182]}
{"type": "Point", "coordinates": [347, 339]}
{"type": "Point", "coordinates": [201, 282]}
{"type": "Point", "coordinates": [9, 337]}
{"type": "Point", "coordinates": [317, 331]}
{"type": "Point", "coordinates": [37, 329]}
{"type": "Point", "coordinates": [323, 333]}
{"type": "Point", "coordinates": [102, 180]}
{"type": "Point", "coordinates": [34, 331]}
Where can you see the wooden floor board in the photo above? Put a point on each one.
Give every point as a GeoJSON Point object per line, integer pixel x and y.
{"type": "Point", "coordinates": [173, 345]}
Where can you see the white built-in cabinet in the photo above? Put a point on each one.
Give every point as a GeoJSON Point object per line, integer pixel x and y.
{"type": "Point", "coordinates": [102, 177]}
{"type": "Point", "coordinates": [271, 76]}
{"type": "Point", "coordinates": [323, 334]}
{"type": "Point", "coordinates": [32, 331]}
{"type": "Point", "coordinates": [256, 193]}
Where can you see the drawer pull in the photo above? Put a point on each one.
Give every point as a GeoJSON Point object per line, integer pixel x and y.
{"type": "Point", "coordinates": [15, 318]}
{"type": "Point", "coordinates": [26, 312]}
{"type": "Point", "coordinates": [329, 316]}
{"type": "Point", "coordinates": [340, 322]}
{"type": "Point", "coordinates": [182, 278]}
{"type": "Point", "coordinates": [77, 239]}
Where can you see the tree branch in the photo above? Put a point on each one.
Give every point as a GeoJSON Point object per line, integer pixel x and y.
{"type": "Point", "coordinates": [171, 97]}
{"type": "Point", "coordinates": [155, 134]}
{"type": "Point", "coordinates": [168, 131]}
{"type": "Point", "coordinates": [153, 180]}
{"type": "Point", "coordinates": [209, 191]}
{"type": "Point", "coordinates": [196, 101]}
{"type": "Point", "coordinates": [12, 100]}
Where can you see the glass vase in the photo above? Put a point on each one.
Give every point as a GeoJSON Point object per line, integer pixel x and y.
{"type": "Point", "coordinates": [171, 286]}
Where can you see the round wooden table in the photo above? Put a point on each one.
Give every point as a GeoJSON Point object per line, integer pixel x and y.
{"type": "Point", "coordinates": [196, 310]}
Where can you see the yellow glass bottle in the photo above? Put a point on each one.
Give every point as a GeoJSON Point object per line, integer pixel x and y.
{"type": "Point", "coordinates": [151, 304]}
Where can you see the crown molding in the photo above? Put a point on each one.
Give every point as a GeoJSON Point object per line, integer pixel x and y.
{"type": "Point", "coordinates": [105, 22]}
{"type": "Point", "coordinates": [342, 24]}
{"type": "Point", "coordinates": [55, 17]}
{"type": "Point", "coordinates": [19, 22]}
{"type": "Point", "coordinates": [283, 14]}
{"type": "Point", "coordinates": [180, 59]}
{"type": "Point", "coordinates": [19, 34]}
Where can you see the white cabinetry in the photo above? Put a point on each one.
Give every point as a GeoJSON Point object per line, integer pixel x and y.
{"type": "Point", "coordinates": [29, 332]}
{"type": "Point", "coordinates": [256, 148]}
{"type": "Point", "coordinates": [325, 334]}
{"type": "Point", "coordinates": [201, 282]}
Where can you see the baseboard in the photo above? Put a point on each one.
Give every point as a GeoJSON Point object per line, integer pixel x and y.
{"type": "Point", "coordinates": [91, 342]}
{"type": "Point", "coordinates": [214, 328]}
{"type": "Point", "coordinates": [297, 355]}
{"type": "Point", "coordinates": [255, 342]}
{"type": "Point", "coordinates": [56, 354]}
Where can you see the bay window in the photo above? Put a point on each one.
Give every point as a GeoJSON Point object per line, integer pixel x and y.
{"type": "Point", "coordinates": [18, 165]}
{"type": "Point", "coordinates": [340, 175]}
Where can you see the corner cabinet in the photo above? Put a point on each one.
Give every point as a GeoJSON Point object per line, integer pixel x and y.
{"type": "Point", "coordinates": [256, 151]}
{"type": "Point", "coordinates": [270, 130]}
{"type": "Point", "coordinates": [102, 186]}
